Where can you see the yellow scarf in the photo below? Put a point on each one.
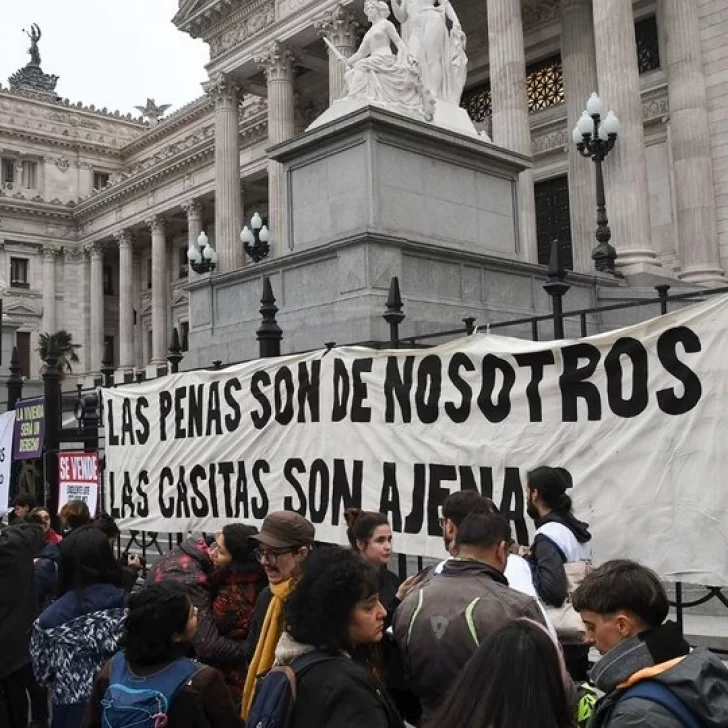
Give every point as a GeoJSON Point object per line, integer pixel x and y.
{"type": "Point", "coordinates": [267, 642]}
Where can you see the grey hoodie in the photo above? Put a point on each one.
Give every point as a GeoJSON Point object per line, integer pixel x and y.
{"type": "Point", "coordinates": [699, 679]}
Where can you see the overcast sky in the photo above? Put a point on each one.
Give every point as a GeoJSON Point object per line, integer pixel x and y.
{"type": "Point", "coordinates": [108, 53]}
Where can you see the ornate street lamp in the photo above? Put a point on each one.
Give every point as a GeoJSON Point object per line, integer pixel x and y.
{"type": "Point", "coordinates": [594, 139]}
{"type": "Point", "coordinates": [202, 257]}
{"type": "Point", "coordinates": [256, 238]}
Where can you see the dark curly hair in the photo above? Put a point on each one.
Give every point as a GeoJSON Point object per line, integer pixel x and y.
{"type": "Point", "coordinates": [156, 613]}
{"type": "Point", "coordinates": [319, 611]}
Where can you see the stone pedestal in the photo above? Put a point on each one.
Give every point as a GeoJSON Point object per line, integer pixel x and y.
{"type": "Point", "coordinates": [370, 196]}
{"type": "Point", "coordinates": [375, 172]}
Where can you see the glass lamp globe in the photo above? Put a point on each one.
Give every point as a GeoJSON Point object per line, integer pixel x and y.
{"type": "Point", "coordinates": [594, 105]}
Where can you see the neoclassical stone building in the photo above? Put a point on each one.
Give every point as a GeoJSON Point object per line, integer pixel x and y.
{"type": "Point", "coordinates": [97, 210]}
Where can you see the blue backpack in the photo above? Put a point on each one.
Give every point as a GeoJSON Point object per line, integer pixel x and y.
{"type": "Point", "coordinates": [662, 695]}
{"type": "Point", "coordinates": [274, 704]}
{"type": "Point", "coordinates": [143, 702]}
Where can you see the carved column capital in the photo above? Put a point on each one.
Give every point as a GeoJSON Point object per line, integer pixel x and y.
{"type": "Point", "coordinates": [156, 223]}
{"type": "Point", "coordinates": [339, 26]}
{"type": "Point", "coordinates": [123, 238]}
{"type": "Point", "coordinates": [223, 90]}
{"type": "Point", "coordinates": [73, 254]}
{"type": "Point", "coordinates": [278, 63]}
{"type": "Point", "coordinates": [193, 208]}
{"type": "Point", "coordinates": [50, 253]}
{"type": "Point", "coordinates": [95, 249]}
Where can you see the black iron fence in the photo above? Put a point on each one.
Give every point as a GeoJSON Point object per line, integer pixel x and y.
{"type": "Point", "coordinates": [87, 434]}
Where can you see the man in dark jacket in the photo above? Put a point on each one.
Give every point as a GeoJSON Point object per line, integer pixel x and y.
{"type": "Point", "coordinates": [439, 625]}
{"type": "Point", "coordinates": [648, 672]}
{"type": "Point", "coordinates": [190, 564]}
{"type": "Point", "coordinates": [18, 608]}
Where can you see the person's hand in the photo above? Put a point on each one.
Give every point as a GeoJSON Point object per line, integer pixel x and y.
{"type": "Point", "coordinates": [406, 586]}
{"type": "Point", "coordinates": [134, 562]}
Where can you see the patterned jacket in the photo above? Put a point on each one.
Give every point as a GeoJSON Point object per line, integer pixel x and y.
{"type": "Point", "coordinates": [232, 609]}
{"type": "Point", "coordinates": [73, 639]}
{"type": "Point", "coordinates": [190, 564]}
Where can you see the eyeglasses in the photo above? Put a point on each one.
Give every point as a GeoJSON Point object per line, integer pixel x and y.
{"type": "Point", "coordinates": [271, 555]}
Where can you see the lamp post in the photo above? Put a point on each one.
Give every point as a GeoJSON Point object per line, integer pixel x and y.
{"type": "Point", "coordinates": [595, 138]}
{"type": "Point", "coordinates": [202, 257]}
{"type": "Point", "coordinates": [256, 238]}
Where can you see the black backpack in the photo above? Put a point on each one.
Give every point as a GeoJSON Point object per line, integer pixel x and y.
{"type": "Point", "coordinates": [274, 704]}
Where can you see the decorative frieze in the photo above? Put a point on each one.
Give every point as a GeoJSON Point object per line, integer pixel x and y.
{"type": "Point", "coordinates": [537, 13]}
{"type": "Point", "coordinates": [243, 27]}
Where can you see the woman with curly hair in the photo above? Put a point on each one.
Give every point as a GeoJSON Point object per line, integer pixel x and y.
{"type": "Point", "coordinates": [335, 610]}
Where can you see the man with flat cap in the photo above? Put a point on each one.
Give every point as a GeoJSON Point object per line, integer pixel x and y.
{"type": "Point", "coordinates": [284, 542]}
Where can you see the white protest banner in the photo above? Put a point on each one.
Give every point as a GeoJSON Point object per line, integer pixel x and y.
{"type": "Point", "coordinates": [78, 479]}
{"type": "Point", "coordinates": [7, 430]}
{"type": "Point", "coordinates": [638, 416]}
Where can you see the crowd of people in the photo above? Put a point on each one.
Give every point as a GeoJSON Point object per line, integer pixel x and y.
{"type": "Point", "coordinates": [270, 628]}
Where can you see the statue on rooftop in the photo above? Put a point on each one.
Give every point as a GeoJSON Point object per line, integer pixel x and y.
{"type": "Point", "coordinates": [34, 36]}
{"type": "Point", "coordinates": [31, 77]}
{"type": "Point", "coordinates": [153, 111]}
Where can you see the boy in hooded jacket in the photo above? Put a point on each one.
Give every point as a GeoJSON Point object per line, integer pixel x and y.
{"type": "Point", "coordinates": [624, 607]}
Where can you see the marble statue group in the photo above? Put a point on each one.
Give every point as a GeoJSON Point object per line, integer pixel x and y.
{"type": "Point", "coordinates": [420, 73]}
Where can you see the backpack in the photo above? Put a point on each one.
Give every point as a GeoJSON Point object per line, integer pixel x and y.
{"type": "Point", "coordinates": [274, 704]}
{"type": "Point", "coordinates": [656, 692]}
{"type": "Point", "coordinates": [143, 702]}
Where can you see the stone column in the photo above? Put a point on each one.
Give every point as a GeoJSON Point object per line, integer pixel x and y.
{"type": "Point", "coordinates": [49, 290]}
{"type": "Point", "coordinates": [339, 27]}
{"type": "Point", "coordinates": [159, 292]}
{"type": "Point", "coordinates": [278, 65]}
{"type": "Point", "coordinates": [194, 221]}
{"type": "Point", "coordinates": [228, 199]}
{"type": "Point", "coordinates": [126, 307]}
{"type": "Point", "coordinates": [511, 122]}
{"type": "Point", "coordinates": [578, 56]}
{"type": "Point", "coordinates": [136, 256]}
{"type": "Point", "coordinates": [96, 254]}
{"type": "Point", "coordinates": [690, 142]}
{"type": "Point", "coordinates": [625, 170]}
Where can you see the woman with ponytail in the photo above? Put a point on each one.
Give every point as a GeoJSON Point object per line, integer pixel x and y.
{"type": "Point", "coordinates": [238, 579]}
{"type": "Point", "coordinates": [370, 535]}
{"type": "Point", "coordinates": [560, 557]}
